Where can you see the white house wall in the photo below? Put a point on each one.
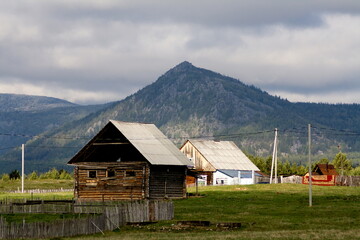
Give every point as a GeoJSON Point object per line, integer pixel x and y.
{"type": "Point", "coordinates": [220, 178]}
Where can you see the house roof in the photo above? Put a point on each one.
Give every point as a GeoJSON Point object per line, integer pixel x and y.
{"type": "Point", "coordinates": [325, 169]}
{"type": "Point", "coordinates": [149, 141]}
{"type": "Point", "coordinates": [224, 155]}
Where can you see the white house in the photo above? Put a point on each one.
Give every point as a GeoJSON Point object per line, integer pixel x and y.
{"type": "Point", "coordinates": [220, 162]}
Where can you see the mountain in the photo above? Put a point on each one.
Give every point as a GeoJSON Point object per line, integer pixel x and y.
{"type": "Point", "coordinates": [23, 116]}
{"type": "Point", "coordinates": [188, 102]}
{"type": "Point", "coordinates": [20, 102]}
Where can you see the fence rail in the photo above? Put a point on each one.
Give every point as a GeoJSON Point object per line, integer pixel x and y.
{"type": "Point", "coordinates": [43, 190]}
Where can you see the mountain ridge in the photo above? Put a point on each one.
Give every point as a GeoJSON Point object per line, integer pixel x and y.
{"type": "Point", "coordinates": [21, 102]}
{"type": "Point", "coordinates": [187, 101]}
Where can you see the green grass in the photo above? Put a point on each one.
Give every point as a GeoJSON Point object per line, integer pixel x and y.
{"type": "Point", "coordinates": [7, 197]}
{"type": "Point", "coordinates": [13, 185]}
{"type": "Point", "coordinates": [266, 212]}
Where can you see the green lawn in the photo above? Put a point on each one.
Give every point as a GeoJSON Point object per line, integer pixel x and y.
{"type": "Point", "coordinates": [266, 212]}
{"type": "Point", "coordinates": [13, 185]}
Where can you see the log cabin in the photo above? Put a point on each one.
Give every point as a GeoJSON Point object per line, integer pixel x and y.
{"type": "Point", "coordinates": [129, 161]}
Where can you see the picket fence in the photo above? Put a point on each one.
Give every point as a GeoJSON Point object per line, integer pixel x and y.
{"type": "Point", "coordinates": [100, 218]}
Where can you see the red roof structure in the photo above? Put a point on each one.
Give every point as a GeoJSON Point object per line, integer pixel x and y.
{"type": "Point", "coordinates": [324, 169]}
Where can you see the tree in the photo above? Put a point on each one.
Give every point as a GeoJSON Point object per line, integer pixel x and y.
{"type": "Point", "coordinates": [33, 176]}
{"type": "Point", "coordinates": [354, 172]}
{"type": "Point", "coordinates": [15, 174]}
{"type": "Point", "coordinates": [341, 163]}
{"type": "Point", "coordinates": [51, 174]}
{"type": "Point", "coordinates": [323, 161]}
{"type": "Point", "coordinates": [5, 177]}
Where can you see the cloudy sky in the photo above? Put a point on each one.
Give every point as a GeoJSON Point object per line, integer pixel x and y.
{"type": "Point", "coordinates": [95, 51]}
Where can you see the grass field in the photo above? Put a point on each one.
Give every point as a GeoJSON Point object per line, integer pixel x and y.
{"type": "Point", "coordinates": [13, 185]}
{"type": "Point", "coordinates": [266, 212]}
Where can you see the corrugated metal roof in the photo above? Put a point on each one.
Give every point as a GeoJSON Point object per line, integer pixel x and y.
{"type": "Point", "coordinates": [152, 143]}
{"type": "Point", "coordinates": [224, 155]}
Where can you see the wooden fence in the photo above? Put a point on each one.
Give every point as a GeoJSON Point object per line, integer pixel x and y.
{"type": "Point", "coordinates": [60, 228]}
{"type": "Point", "coordinates": [352, 181]}
{"type": "Point", "coordinates": [43, 190]}
{"type": "Point", "coordinates": [101, 217]}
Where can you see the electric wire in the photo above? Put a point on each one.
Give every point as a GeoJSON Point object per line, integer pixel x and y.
{"type": "Point", "coordinates": [286, 132]}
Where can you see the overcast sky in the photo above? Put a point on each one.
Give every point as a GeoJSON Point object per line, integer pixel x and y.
{"type": "Point", "coordinates": [95, 51]}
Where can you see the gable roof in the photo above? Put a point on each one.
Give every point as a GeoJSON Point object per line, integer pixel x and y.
{"type": "Point", "coordinates": [325, 169]}
{"type": "Point", "coordinates": [223, 155]}
{"type": "Point", "coordinates": [148, 140]}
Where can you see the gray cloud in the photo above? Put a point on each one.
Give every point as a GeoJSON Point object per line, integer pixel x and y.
{"type": "Point", "coordinates": [102, 50]}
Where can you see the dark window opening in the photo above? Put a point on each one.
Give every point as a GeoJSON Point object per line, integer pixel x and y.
{"type": "Point", "coordinates": [92, 174]}
{"type": "Point", "coordinates": [130, 173]}
{"type": "Point", "coordinates": [111, 173]}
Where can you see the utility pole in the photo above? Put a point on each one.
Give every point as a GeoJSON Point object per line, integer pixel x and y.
{"type": "Point", "coordinates": [22, 166]}
{"type": "Point", "coordinates": [310, 169]}
{"type": "Point", "coordinates": [274, 159]}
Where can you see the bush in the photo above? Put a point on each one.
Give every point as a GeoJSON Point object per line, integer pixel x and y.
{"type": "Point", "coordinates": [65, 175]}
{"type": "Point", "coordinates": [51, 174]}
{"type": "Point", "coordinates": [33, 176]}
{"type": "Point", "coordinates": [5, 177]}
{"type": "Point", "coordinates": [355, 171]}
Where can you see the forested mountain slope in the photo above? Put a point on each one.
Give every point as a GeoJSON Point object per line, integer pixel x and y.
{"type": "Point", "coordinates": [193, 102]}
{"type": "Point", "coordinates": [23, 116]}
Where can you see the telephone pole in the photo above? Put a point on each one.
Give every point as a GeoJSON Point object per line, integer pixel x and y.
{"type": "Point", "coordinates": [274, 159]}
{"type": "Point", "coordinates": [310, 168]}
{"type": "Point", "coordinates": [22, 167]}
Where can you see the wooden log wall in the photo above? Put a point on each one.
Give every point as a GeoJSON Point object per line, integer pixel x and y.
{"type": "Point", "coordinates": [129, 181]}
{"type": "Point", "coordinates": [167, 182]}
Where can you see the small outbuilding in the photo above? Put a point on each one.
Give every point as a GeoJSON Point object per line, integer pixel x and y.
{"type": "Point", "coordinates": [219, 163]}
{"type": "Point", "coordinates": [129, 161]}
{"type": "Point", "coordinates": [322, 174]}
{"type": "Point", "coordinates": [324, 169]}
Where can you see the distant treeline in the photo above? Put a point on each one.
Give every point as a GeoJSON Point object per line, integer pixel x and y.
{"type": "Point", "coordinates": [51, 174]}
{"type": "Point", "coordinates": [342, 165]}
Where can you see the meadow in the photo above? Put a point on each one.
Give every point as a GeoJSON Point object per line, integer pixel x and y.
{"type": "Point", "coordinates": [278, 211]}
